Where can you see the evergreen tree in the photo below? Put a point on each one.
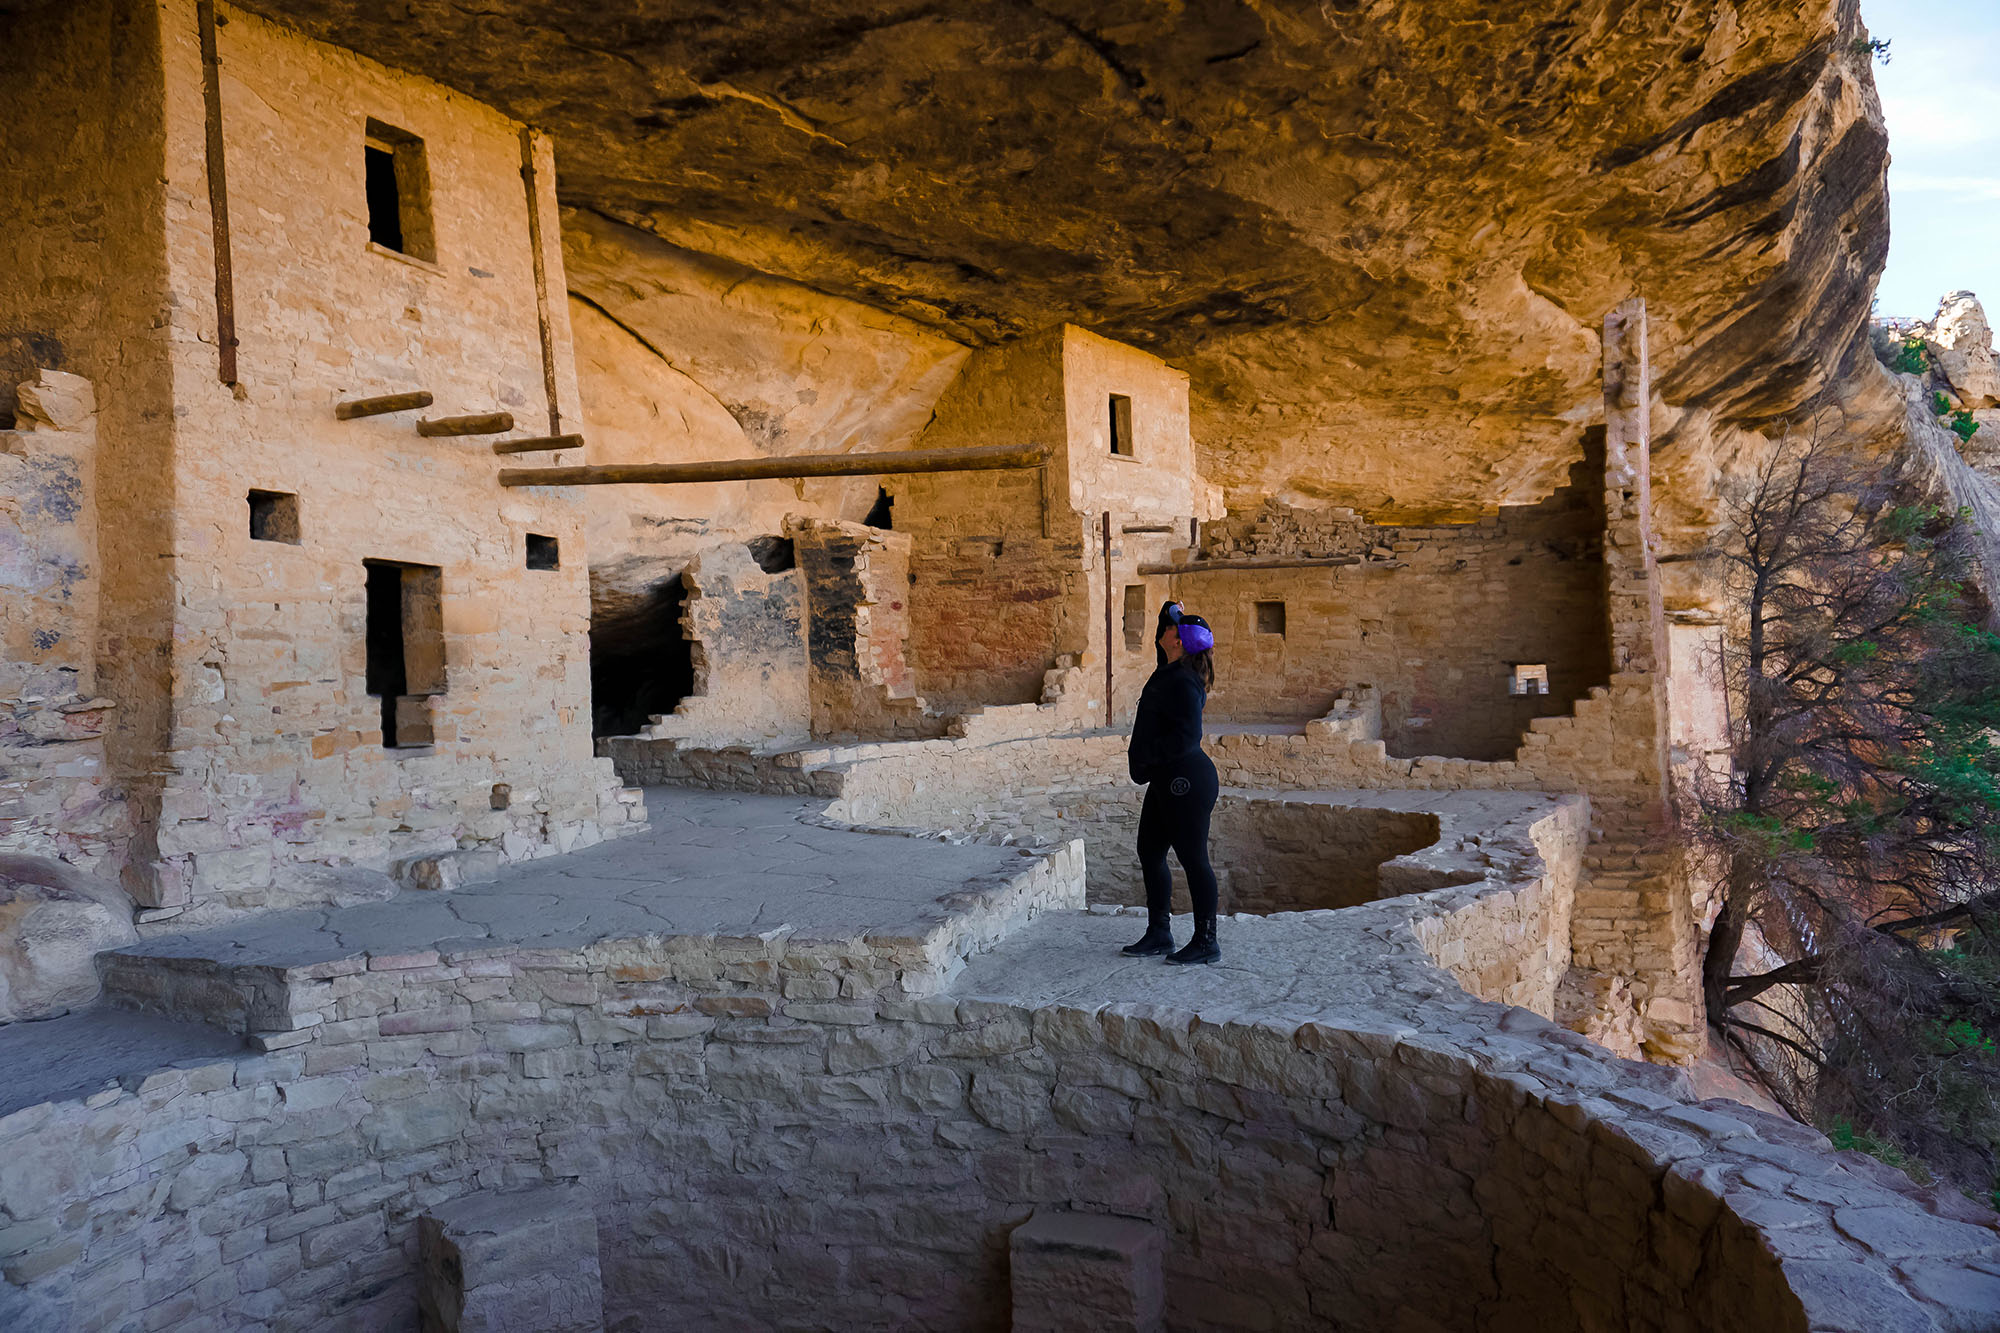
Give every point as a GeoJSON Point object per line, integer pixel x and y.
{"type": "Point", "coordinates": [1853, 958]}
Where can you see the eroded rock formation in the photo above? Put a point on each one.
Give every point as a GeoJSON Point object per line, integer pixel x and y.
{"type": "Point", "coordinates": [1378, 233]}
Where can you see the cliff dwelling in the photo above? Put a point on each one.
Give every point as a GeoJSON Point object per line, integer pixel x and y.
{"type": "Point", "coordinates": [577, 583]}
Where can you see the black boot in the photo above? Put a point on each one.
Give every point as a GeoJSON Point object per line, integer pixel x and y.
{"type": "Point", "coordinates": [1158, 939]}
{"type": "Point", "coordinates": [1202, 948]}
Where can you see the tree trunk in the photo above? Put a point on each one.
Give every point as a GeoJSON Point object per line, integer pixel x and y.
{"type": "Point", "coordinates": [1724, 939]}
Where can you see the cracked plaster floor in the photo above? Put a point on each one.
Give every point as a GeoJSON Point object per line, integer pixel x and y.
{"type": "Point", "coordinates": [708, 863]}
{"type": "Point", "coordinates": [1291, 967]}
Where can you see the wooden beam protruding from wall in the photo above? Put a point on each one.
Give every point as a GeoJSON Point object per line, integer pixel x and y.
{"type": "Point", "coordinates": [987, 458]}
{"type": "Point", "coordinates": [481, 423]}
{"type": "Point", "coordinates": [375, 407]}
{"type": "Point", "coordinates": [537, 444]}
{"type": "Point", "coordinates": [1279, 562]}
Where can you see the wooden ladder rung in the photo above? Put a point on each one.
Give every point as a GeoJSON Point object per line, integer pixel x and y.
{"type": "Point", "coordinates": [538, 444]}
{"type": "Point", "coordinates": [375, 407]}
{"type": "Point", "coordinates": [481, 423]}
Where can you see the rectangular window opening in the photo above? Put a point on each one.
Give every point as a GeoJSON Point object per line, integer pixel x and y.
{"type": "Point", "coordinates": [1135, 617]}
{"type": "Point", "coordinates": [274, 517]}
{"type": "Point", "coordinates": [405, 640]}
{"type": "Point", "coordinates": [1121, 425]}
{"type": "Point", "coordinates": [399, 191]}
{"type": "Point", "coordinates": [543, 552]}
{"type": "Point", "coordinates": [1271, 618]}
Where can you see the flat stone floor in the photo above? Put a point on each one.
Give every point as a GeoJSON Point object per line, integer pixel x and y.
{"type": "Point", "coordinates": [75, 1055]}
{"type": "Point", "coordinates": [1294, 967]}
{"type": "Point", "coordinates": [708, 863]}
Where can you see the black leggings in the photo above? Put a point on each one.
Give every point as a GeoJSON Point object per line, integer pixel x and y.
{"type": "Point", "coordinates": [1178, 804]}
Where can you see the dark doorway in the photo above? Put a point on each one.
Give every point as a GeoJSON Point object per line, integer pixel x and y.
{"type": "Point", "coordinates": [883, 514]}
{"type": "Point", "coordinates": [405, 647]}
{"type": "Point", "coordinates": [641, 662]}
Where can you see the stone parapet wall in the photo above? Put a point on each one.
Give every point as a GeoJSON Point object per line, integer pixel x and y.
{"type": "Point", "coordinates": [763, 1137]}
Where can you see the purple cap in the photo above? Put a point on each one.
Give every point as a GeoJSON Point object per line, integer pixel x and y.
{"type": "Point", "coordinates": [1196, 638]}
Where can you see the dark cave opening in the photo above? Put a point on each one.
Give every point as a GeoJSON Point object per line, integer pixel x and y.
{"type": "Point", "coordinates": [641, 662]}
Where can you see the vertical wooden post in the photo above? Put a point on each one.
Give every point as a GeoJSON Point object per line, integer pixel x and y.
{"type": "Point", "coordinates": [218, 195]}
{"type": "Point", "coordinates": [530, 182]}
{"type": "Point", "coordinates": [1110, 592]}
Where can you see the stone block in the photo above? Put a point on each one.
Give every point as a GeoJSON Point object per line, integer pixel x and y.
{"type": "Point", "coordinates": [442, 872]}
{"type": "Point", "coordinates": [510, 1263]}
{"type": "Point", "coordinates": [1085, 1270]}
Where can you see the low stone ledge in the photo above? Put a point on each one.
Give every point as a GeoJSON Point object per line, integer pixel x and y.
{"type": "Point", "coordinates": [416, 992]}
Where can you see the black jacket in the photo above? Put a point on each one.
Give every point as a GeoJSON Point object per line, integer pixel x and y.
{"type": "Point", "coordinates": [1168, 725]}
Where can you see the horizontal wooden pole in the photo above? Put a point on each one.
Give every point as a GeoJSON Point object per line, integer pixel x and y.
{"type": "Point", "coordinates": [538, 444]}
{"type": "Point", "coordinates": [375, 407]}
{"type": "Point", "coordinates": [986, 458]}
{"type": "Point", "coordinates": [481, 423]}
{"type": "Point", "coordinates": [1277, 562]}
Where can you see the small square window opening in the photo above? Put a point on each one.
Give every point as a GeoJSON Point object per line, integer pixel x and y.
{"type": "Point", "coordinates": [1121, 425]}
{"type": "Point", "coordinates": [274, 517]}
{"type": "Point", "coordinates": [543, 552]}
{"type": "Point", "coordinates": [1271, 618]}
{"type": "Point", "coordinates": [399, 191]}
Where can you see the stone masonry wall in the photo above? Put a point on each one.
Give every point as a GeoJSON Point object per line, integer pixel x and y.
{"type": "Point", "coordinates": [746, 631]}
{"type": "Point", "coordinates": [57, 798]}
{"type": "Point", "coordinates": [988, 615]}
{"type": "Point", "coordinates": [769, 1129]}
{"type": "Point", "coordinates": [278, 752]}
{"type": "Point", "coordinates": [1434, 618]}
{"type": "Point", "coordinates": [857, 591]}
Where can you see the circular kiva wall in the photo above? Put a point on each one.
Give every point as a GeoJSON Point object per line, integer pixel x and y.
{"type": "Point", "coordinates": [755, 1160]}
{"type": "Point", "coordinates": [780, 1132]}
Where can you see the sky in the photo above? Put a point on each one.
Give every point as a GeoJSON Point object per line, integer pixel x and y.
{"type": "Point", "coordinates": [1941, 95]}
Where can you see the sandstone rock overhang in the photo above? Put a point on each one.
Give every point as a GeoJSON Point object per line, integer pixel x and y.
{"type": "Point", "coordinates": [1378, 233]}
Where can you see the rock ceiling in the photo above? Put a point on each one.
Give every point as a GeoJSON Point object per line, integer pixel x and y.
{"type": "Point", "coordinates": [1378, 233]}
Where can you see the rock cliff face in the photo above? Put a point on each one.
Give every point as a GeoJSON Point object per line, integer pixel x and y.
{"type": "Point", "coordinates": [1378, 233]}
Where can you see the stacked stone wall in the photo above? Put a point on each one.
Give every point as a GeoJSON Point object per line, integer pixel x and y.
{"type": "Point", "coordinates": [745, 628]}
{"type": "Point", "coordinates": [767, 1129]}
{"type": "Point", "coordinates": [1433, 618]}
{"type": "Point", "coordinates": [857, 582]}
{"type": "Point", "coordinates": [988, 615]}
{"type": "Point", "coordinates": [246, 738]}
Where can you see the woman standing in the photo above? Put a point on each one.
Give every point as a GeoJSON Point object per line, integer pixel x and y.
{"type": "Point", "coordinates": [1165, 754]}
